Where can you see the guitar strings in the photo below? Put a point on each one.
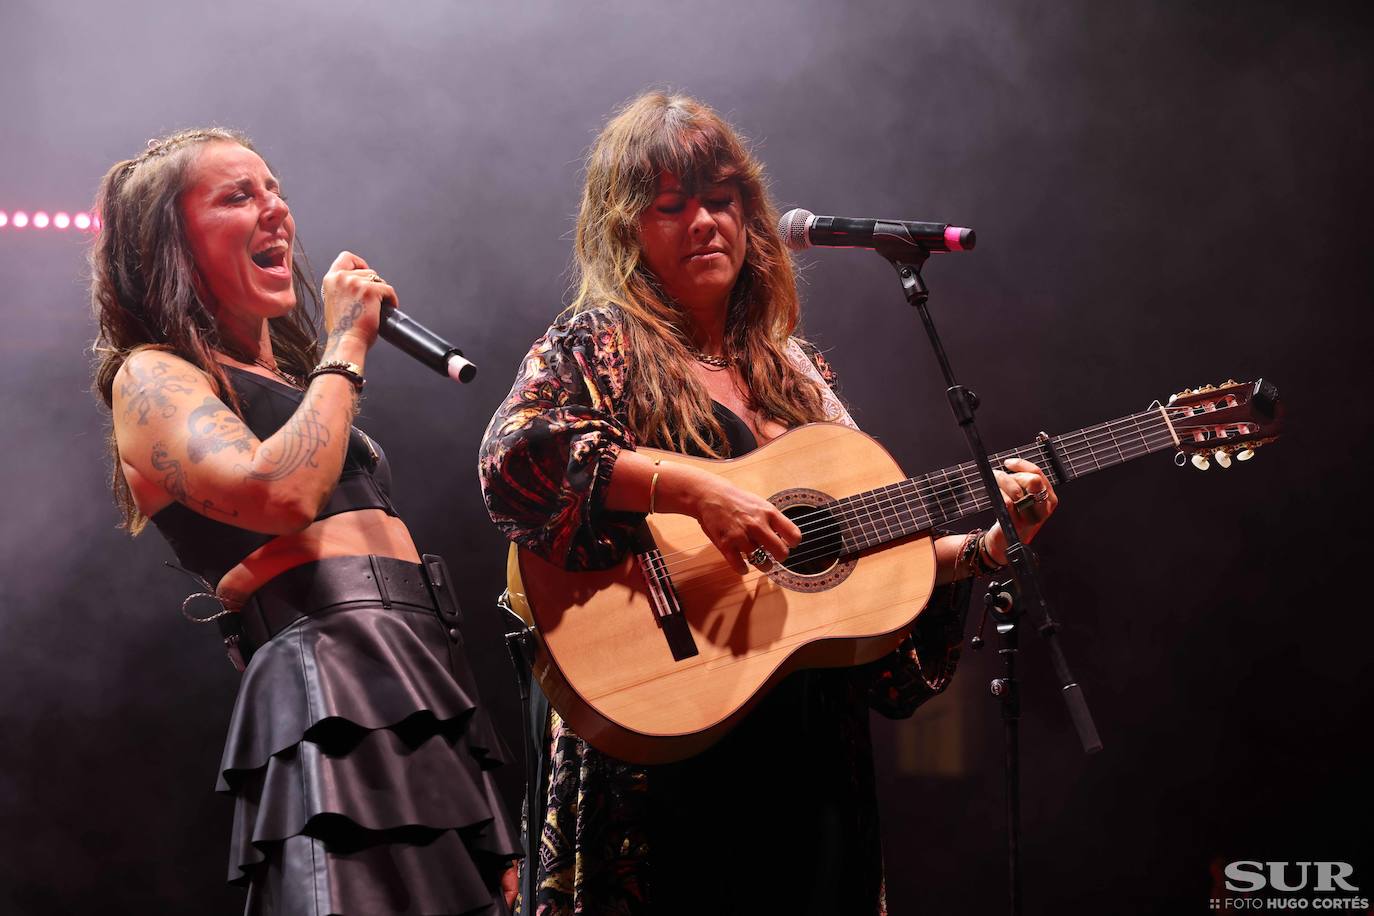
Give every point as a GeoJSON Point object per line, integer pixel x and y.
{"type": "Point", "coordinates": [681, 571]}
{"type": "Point", "coordinates": [891, 497]}
{"type": "Point", "coordinates": [964, 474]}
{"type": "Point", "coordinates": [1160, 437]}
{"type": "Point", "coordinates": [1158, 440]}
{"type": "Point", "coordinates": [980, 502]}
{"type": "Point", "coordinates": [1072, 446]}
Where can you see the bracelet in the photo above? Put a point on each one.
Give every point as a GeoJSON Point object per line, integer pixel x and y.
{"type": "Point", "coordinates": [983, 557]}
{"type": "Point", "coordinates": [968, 552]}
{"type": "Point", "coordinates": [653, 487]}
{"type": "Point", "coordinates": [351, 371]}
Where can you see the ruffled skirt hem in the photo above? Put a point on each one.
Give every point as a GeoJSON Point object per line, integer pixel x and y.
{"type": "Point", "coordinates": [360, 762]}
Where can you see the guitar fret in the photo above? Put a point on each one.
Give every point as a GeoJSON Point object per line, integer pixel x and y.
{"type": "Point", "coordinates": [1069, 458]}
{"type": "Point", "coordinates": [1117, 445]}
{"type": "Point", "coordinates": [1046, 463]}
{"type": "Point", "coordinates": [1135, 421]}
{"type": "Point", "coordinates": [925, 501]}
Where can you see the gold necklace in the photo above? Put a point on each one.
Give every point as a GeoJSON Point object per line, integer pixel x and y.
{"type": "Point", "coordinates": [719, 362]}
{"type": "Point", "coordinates": [288, 379]}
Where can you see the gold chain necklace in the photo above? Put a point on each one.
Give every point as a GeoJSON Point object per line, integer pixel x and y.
{"type": "Point", "coordinates": [288, 379]}
{"type": "Point", "coordinates": [719, 362]}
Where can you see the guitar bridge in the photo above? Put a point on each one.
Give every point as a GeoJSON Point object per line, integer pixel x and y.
{"type": "Point", "coordinates": [663, 597]}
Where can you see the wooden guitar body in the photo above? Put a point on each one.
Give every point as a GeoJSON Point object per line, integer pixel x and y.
{"type": "Point", "coordinates": [606, 663]}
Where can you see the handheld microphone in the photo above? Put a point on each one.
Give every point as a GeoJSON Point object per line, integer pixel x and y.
{"type": "Point", "coordinates": [413, 338]}
{"type": "Point", "coordinates": [801, 229]}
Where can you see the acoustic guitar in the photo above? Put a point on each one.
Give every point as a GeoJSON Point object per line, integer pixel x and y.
{"type": "Point", "coordinates": [657, 657]}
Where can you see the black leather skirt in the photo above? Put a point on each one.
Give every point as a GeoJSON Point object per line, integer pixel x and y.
{"type": "Point", "coordinates": [358, 754]}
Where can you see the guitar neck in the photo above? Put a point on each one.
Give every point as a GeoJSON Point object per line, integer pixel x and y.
{"type": "Point", "coordinates": [928, 501]}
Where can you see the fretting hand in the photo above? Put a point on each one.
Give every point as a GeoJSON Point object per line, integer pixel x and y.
{"type": "Point", "coordinates": [1030, 500]}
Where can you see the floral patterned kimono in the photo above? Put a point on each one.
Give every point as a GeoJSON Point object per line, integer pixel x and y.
{"type": "Point", "coordinates": [781, 815]}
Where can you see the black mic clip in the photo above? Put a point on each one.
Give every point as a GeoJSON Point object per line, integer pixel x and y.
{"type": "Point", "coordinates": [998, 602]}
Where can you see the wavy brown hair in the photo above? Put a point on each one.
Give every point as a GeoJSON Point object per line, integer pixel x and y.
{"type": "Point", "coordinates": [657, 134]}
{"type": "Point", "coordinates": [145, 291]}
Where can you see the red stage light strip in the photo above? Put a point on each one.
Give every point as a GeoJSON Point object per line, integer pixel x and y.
{"type": "Point", "coordinates": [41, 219]}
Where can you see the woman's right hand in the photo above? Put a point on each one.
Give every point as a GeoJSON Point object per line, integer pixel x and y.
{"type": "Point", "coordinates": [352, 306]}
{"type": "Point", "coordinates": [738, 522]}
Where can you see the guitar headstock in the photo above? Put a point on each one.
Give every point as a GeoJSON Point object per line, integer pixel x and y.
{"type": "Point", "coordinates": [1224, 422]}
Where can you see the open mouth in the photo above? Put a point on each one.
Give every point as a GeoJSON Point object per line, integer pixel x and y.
{"type": "Point", "coordinates": [273, 257]}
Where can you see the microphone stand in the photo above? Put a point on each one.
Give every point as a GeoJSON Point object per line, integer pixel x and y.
{"type": "Point", "coordinates": [534, 710]}
{"type": "Point", "coordinates": [908, 261]}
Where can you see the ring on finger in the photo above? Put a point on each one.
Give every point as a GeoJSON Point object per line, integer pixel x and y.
{"type": "Point", "coordinates": [1042, 496]}
{"type": "Point", "coordinates": [376, 278]}
{"type": "Point", "coordinates": [1026, 501]}
{"type": "Point", "coordinates": [760, 558]}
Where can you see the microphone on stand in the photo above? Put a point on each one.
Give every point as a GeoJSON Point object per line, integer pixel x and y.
{"type": "Point", "coordinates": [418, 341]}
{"type": "Point", "coordinates": [801, 229]}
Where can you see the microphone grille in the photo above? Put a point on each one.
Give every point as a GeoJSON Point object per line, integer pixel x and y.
{"type": "Point", "coordinates": [792, 227]}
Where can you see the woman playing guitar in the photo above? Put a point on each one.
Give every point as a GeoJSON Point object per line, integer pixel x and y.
{"type": "Point", "coordinates": [680, 338]}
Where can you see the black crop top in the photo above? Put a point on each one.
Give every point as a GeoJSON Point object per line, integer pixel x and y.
{"type": "Point", "coordinates": [211, 548]}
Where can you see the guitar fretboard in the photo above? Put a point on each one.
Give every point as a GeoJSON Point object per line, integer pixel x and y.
{"type": "Point", "coordinates": [927, 501]}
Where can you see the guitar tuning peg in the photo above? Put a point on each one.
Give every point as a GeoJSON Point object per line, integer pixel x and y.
{"type": "Point", "coordinates": [1245, 454]}
{"type": "Point", "coordinates": [1200, 462]}
{"type": "Point", "coordinates": [1223, 459]}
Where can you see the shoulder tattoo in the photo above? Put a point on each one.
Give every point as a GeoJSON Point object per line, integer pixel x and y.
{"type": "Point", "coordinates": [145, 390]}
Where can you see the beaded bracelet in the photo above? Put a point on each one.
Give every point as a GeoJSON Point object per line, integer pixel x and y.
{"type": "Point", "coordinates": [983, 558]}
{"type": "Point", "coordinates": [968, 552]}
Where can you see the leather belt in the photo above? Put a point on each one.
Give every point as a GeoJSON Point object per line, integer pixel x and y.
{"type": "Point", "coordinates": [313, 587]}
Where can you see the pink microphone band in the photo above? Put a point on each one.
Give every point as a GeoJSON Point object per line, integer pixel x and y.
{"type": "Point", "coordinates": [954, 237]}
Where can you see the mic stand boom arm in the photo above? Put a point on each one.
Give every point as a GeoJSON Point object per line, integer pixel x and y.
{"type": "Point", "coordinates": [908, 260]}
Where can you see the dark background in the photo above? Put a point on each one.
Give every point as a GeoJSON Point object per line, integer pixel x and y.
{"type": "Point", "coordinates": [1165, 195]}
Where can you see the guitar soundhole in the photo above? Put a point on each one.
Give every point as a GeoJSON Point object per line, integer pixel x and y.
{"type": "Point", "coordinates": [816, 564]}
{"type": "Point", "coordinates": [820, 546]}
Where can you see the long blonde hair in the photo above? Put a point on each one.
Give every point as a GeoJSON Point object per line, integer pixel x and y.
{"type": "Point", "coordinates": [667, 406]}
{"type": "Point", "coordinates": [143, 283]}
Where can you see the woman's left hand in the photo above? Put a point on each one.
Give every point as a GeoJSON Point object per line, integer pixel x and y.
{"type": "Point", "coordinates": [1024, 486]}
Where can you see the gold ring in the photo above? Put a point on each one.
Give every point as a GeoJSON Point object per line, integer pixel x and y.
{"type": "Point", "coordinates": [376, 277]}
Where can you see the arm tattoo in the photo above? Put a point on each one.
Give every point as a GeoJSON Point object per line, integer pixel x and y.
{"type": "Point", "coordinates": [148, 388]}
{"type": "Point", "coordinates": [214, 427]}
{"type": "Point", "coordinates": [301, 440]}
{"type": "Point", "coordinates": [175, 483]}
{"type": "Point", "coordinates": [347, 318]}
